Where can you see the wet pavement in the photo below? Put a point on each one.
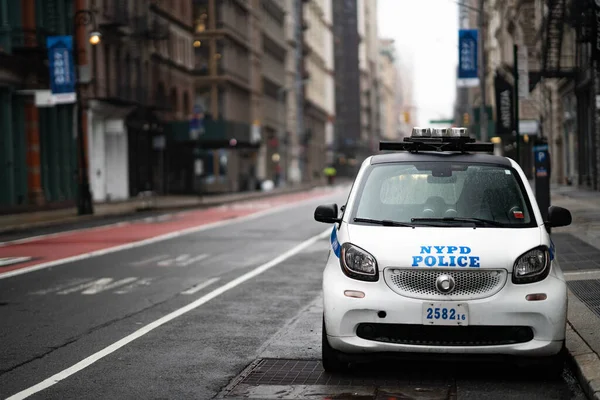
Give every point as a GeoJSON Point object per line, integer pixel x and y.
{"type": "Point", "coordinates": [233, 311]}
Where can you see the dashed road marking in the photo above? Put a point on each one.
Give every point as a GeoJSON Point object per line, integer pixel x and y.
{"type": "Point", "coordinates": [70, 283]}
{"type": "Point", "coordinates": [108, 285]}
{"type": "Point", "coordinates": [149, 260]}
{"type": "Point", "coordinates": [131, 287]}
{"type": "Point", "coordinates": [200, 286]}
{"type": "Point", "coordinates": [158, 238]}
{"type": "Point", "coordinates": [86, 362]}
{"type": "Point", "coordinates": [182, 261]}
{"type": "Point", "coordinates": [91, 286]}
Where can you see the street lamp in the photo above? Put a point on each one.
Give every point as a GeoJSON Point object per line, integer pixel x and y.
{"type": "Point", "coordinates": [84, 200]}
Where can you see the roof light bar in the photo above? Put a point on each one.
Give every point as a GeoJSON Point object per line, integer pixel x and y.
{"type": "Point", "coordinates": [454, 139]}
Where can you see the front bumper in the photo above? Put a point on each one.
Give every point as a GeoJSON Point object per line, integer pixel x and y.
{"type": "Point", "coordinates": [507, 308]}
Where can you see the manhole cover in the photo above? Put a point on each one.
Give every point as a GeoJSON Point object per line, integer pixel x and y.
{"type": "Point", "coordinates": [575, 254]}
{"type": "Point", "coordinates": [588, 292]}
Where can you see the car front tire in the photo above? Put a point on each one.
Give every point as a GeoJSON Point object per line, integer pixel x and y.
{"type": "Point", "coordinates": [332, 360]}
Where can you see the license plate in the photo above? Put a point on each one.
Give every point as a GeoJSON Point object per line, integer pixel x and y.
{"type": "Point", "coordinates": [445, 314]}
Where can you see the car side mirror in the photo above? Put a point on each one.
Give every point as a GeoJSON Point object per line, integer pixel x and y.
{"type": "Point", "coordinates": [327, 213]}
{"type": "Point", "coordinates": [558, 216]}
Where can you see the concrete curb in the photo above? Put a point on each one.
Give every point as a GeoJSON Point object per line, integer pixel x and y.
{"type": "Point", "coordinates": [137, 207]}
{"type": "Point", "coordinates": [585, 363]}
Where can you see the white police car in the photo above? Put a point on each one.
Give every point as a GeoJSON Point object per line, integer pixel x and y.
{"type": "Point", "coordinates": [442, 248]}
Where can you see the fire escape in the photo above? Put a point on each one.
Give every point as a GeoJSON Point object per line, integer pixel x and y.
{"type": "Point", "coordinates": [554, 63]}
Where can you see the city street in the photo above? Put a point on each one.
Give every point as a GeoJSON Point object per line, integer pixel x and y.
{"type": "Point", "coordinates": [216, 303]}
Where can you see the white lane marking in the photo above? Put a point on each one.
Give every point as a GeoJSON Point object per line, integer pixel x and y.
{"type": "Point", "coordinates": [86, 362]}
{"type": "Point", "coordinates": [160, 238]}
{"type": "Point", "coordinates": [102, 287]}
{"type": "Point", "coordinates": [4, 261]}
{"type": "Point", "coordinates": [84, 286]}
{"type": "Point", "coordinates": [139, 282]}
{"type": "Point", "coordinates": [200, 286]}
{"type": "Point", "coordinates": [149, 260]}
{"type": "Point", "coordinates": [194, 260]}
{"type": "Point", "coordinates": [70, 283]}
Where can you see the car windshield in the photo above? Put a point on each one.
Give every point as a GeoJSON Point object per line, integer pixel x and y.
{"type": "Point", "coordinates": [445, 194]}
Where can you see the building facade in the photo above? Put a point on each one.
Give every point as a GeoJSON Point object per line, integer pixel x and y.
{"type": "Point", "coordinates": [142, 79]}
{"type": "Point", "coordinates": [369, 70]}
{"type": "Point", "coordinates": [240, 67]}
{"type": "Point", "coordinates": [389, 112]}
{"type": "Point", "coordinates": [347, 76]}
{"type": "Point", "coordinates": [559, 108]}
{"type": "Point", "coordinates": [37, 148]}
{"type": "Point", "coordinates": [318, 63]}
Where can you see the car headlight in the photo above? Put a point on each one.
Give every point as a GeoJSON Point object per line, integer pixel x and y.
{"type": "Point", "coordinates": [533, 266]}
{"type": "Point", "coordinates": [358, 264]}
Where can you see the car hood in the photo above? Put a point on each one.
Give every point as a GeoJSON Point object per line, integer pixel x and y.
{"type": "Point", "coordinates": [433, 247]}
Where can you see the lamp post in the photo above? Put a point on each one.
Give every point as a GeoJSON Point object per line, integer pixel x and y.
{"type": "Point", "coordinates": [84, 199]}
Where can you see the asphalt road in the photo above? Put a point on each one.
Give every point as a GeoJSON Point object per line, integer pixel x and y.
{"type": "Point", "coordinates": [54, 318]}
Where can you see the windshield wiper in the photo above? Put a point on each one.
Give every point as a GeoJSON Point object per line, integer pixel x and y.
{"type": "Point", "coordinates": [384, 222]}
{"type": "Point", "coordinates": [476, 221]}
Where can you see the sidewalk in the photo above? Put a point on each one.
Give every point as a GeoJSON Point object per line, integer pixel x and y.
{"type": "Point", "coordinates": [578, 251]}
{"type": "Point", "coordinates": [24, 221]}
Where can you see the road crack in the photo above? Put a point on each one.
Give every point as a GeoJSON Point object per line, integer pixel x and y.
{"type": "Point", "coordinates": [88, 332]}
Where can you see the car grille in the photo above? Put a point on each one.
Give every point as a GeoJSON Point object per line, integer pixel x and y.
{"type": "Point", "coordinates": [470, 284]}
{"type": "Point", "coordinates": [425, 335]}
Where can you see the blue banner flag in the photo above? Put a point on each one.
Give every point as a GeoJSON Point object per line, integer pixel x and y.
{"type": "Point", "coordinates": [467, 54]}
{"type": "Point", "coordinates": [62, 68]}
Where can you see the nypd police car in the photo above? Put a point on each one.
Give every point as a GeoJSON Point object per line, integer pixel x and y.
{"type": "Point", "coordinates": [441, 248]}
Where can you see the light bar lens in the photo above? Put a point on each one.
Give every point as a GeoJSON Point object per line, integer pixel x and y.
{"type": "Point", "coordinates": [458, 132]}
{"type": "Point", "coordinates": [421, 132]}
{"type": "Point", "coordinates": [439, 132]}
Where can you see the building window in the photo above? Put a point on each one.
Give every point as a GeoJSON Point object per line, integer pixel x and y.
{"type": "Point", "coordinates": [201, 59]}
{"type": "Point", "coordinates": [201, 21]}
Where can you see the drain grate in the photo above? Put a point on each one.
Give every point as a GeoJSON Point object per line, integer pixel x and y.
{"type": "Point", "coordinates": [588, 292]}
{"type": "Point", "coordinates": [575, 254]}
{"type": "Point", "coordinates": [310, 372]}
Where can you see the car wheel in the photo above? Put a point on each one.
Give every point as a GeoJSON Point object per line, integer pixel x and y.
{"type": "Point", "coordinates": [332, 361]}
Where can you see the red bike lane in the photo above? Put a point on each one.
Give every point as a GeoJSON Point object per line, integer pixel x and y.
{"type": "Point", "coordinates": [53, 248]}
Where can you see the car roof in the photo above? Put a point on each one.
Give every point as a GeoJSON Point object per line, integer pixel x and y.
{"type": "Point", "coordinates": [471, 158]}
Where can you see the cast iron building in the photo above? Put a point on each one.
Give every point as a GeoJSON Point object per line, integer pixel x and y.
{"type": "Point", "coordinates": [347, 84]}
{"type": "Point", "coordinates": [141, 80]}
{"type": "Point", "coordinates": [240, 54]}
{"type": "Point", "coordinates": [37, 149]}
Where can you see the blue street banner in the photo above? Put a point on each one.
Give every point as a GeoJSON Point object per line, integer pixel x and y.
{"type": "Point", "coordinates": [62, 69]}
{"type": "Point", "coordinates": [467, 54]}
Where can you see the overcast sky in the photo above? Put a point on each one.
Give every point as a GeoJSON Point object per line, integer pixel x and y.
{"type": "Point", "coordinates": [426, 34]}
